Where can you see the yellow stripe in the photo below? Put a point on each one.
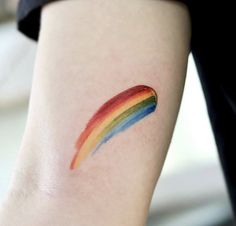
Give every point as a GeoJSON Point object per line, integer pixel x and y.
{"type": "Point", "coordinates": [93, 138]}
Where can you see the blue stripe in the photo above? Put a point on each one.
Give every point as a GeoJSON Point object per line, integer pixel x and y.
{"type": "Point", "coordinates": [126, 123]}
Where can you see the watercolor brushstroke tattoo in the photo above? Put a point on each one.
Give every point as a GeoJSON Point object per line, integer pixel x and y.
{"type": "Point", "coordinates": [114, 116]}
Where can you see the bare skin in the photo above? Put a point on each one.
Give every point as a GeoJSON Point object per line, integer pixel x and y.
{"type": "Point", "coordinates": [89, 51]}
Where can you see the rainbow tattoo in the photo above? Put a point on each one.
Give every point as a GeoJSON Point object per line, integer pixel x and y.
{"type": "Point", "coordinates": [114, 116]}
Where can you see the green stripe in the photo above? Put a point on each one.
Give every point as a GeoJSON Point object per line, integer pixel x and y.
{"type": "Point", "coordinates": [126, 114]}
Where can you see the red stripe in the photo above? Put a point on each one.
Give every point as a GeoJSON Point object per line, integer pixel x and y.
{"type": "Point", "coordinates": [106, 109]}
{"type": "Point", "coordinates": [110, 105]}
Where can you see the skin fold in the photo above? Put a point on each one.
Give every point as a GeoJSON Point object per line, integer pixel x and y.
{"type": "Point", "coordinates": [88, 52]}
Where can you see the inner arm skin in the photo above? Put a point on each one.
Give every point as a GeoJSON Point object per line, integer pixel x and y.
{"type": "Point", "coordinates": [89, 51]}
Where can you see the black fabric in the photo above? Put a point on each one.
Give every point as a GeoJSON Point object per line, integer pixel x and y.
{"type": "Point", "coordinates": [28, 16]}
{"type": "Point", "coordinates": [212, 44]}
